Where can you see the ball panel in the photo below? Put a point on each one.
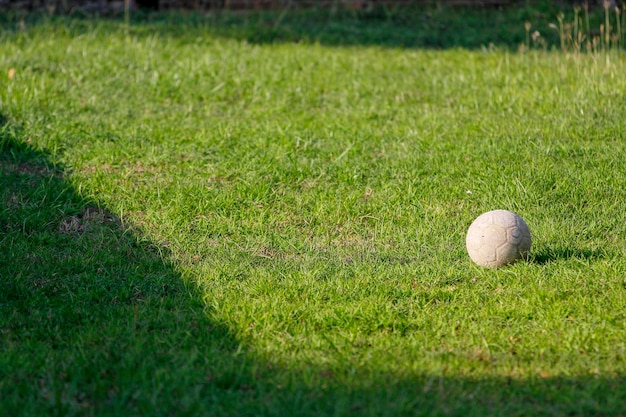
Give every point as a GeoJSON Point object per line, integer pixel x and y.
{"type": "Point", "coordinates": [507, 254]}
{"type": "Point", "coordinates": [514, 235]}
{"type": "Point", "coordinates": [504, 218]}
{"type": "Point", "coordinates": [487, 254]}
{"type": "Point", "coordinates": [493, 234]}
{"type": "Point", "coordinates": [525, 245]}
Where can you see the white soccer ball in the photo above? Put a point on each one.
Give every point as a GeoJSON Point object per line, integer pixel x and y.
{"type": "Point", "coordinates": [498, 238]}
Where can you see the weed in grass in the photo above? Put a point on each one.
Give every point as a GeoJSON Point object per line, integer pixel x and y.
{"type": "Point", "coordinates": [578, 35]}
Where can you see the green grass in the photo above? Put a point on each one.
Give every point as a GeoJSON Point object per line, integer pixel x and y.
{"type": "Point", "coordinates": [196, 224]}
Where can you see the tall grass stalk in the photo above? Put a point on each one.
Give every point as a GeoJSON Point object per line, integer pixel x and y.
{"type": "Point", "coordinates": [623, 24]}
{"type": "Point", "coordinates": [607, 24]}
{"type": "Point", "coordinates": [619, 26]}
{"type": "Point", "coordinates": [127, 16]}
{"type": "Point", "coordinates": [577, 35]}
{"type": "Point", "coordinates": [587, 25]}
{"type": "Point", "coordinates": [560, 18]}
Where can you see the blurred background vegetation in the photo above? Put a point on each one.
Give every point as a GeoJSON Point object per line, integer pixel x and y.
{"type": "Point", "coordinates": [522, 25]}
{"type": "Point", "coordinates": [365, 6]}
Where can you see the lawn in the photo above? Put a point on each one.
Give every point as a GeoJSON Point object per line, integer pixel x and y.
{"type": "Point", "coordinates": [198, 221]}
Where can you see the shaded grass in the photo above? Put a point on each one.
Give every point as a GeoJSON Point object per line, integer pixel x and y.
{"type": "Point", "coordinates": [430, 26]}
{"type": "Point", "coordinates": [93, 319]}
{"type": "Point", "coordinates": [314, 200]}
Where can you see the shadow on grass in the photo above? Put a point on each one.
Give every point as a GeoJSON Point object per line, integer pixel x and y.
{"type": "Point", "coordinates": [553, 254]}
{"type": "Point", "coordinates": [93, 321]}
{"type": "Point", "coordinates": [91, 317]}
{"type": "Point", "coordinates": [426, 27]}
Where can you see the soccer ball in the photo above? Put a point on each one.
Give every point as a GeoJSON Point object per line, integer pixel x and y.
{"type": "Point", "coordinates": [498, 238]}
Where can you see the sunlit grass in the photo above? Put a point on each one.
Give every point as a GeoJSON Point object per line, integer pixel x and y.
{"type": "Point", "coordinates": [314, 199]}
